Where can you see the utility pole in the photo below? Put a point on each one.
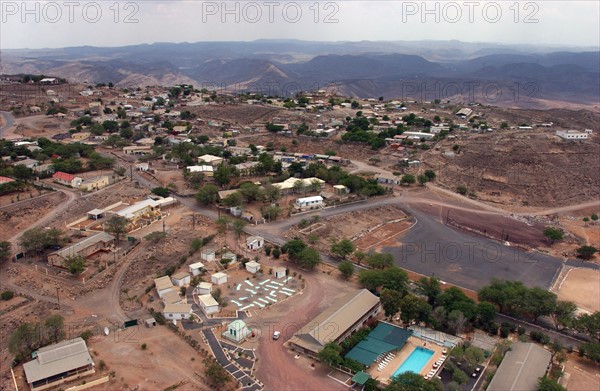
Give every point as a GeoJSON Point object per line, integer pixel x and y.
{"type": "Point", "coordinates": [58, 297]}
{"type": "Point", "coordinates": [131, 172]}
{"type": "Point", "coordinates": [163, 227]}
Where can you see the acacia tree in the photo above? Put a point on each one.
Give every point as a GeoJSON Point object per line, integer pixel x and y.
{"type": "Point", "coordinates": [343, 248]}
{"type": "Point", "coordinates": [116, 225]}
{"type": "Point", "coordinates": [215, 372]}
{"type": "Point", "coordinates": [346, 268]}
{"type": "Point", "coordinates": [75, 264]}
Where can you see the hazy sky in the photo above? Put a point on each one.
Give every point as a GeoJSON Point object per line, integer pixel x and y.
{"type": "Point", "coordinates": [61, 23]}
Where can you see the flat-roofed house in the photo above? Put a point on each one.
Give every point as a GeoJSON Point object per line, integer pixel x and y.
{"type": "Point", "coordinates": [177, 311]}
{"type": "Point", "coordinates": [89, 246]}
{"type": "Point", "coordinates": [210, 160]}
{"type": "Point", "coordinates": [208, 304]}
{"type": "Point", "coordinates": [337, 322]}
{"type": "Point", "coordinates": [196, 268]}
{"type": "Point", "coordinates": [172, 297]}
{"type": "Point", "coordinates": [219, 278]}
{"type": "Point", "coordinates": [163, 285]}
{"type": "Point", "coordinates": [58, 363]}
{"type": "Point", "coordinates": [309, 202]}
{"type": "Point", "coordinates": [255, 242]}
{"type": "Point", "coordinates": [180, 279]}
{"type": "Point", "coordinates": [252, 266]}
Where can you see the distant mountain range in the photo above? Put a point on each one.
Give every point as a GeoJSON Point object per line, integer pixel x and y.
{"type": "Point", "coordinates": [488, 73]}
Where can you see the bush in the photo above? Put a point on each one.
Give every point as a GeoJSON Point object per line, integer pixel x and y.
{"type": "Point", "coordinates": [521, 330]}
{"type": "Point", "coordinates": [101, 365]}
{"type": "Point", "coordinates": [86, 335]}
{"type": "Point", "coordinates": [7, 295]}
{"type": "Point", "coordinates": [144, 346]}
{"type": "Point", "coordinates": [539, 337]}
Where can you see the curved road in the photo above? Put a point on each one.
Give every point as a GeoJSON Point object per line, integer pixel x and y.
{"type": "Point", "coordinates": [9, 121]}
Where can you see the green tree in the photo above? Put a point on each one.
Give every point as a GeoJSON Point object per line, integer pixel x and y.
{"type": "Point", "coordinates": [547, 384]}
{"type": "Point", "coordinates": [430, 287]}
{"type": "Point", "coordinates": [422, 179]}
{"type": "Point", "coordinates": [586, 252]}
{"type": "Point", "coordinates": [395, 278]}
{"type": "Point", "coordinates": [116, 225]}
{"type": "Point", "coordinates": [564, 313]}
{"type": "Point", "coordinates": [238, 228]}
{"type": "Point", "coordinates": [410, 381]}
{"type": "Point", "coordinates": [553, 234]}
{"type": "Point", "coordinates": [380, 260]}
{"type": "Point", "coordinates": [4, 251]}
{"type": "Point", "coordinates": [161, 191]}
{"type": "Point", "coordinates": [462, 190]}
{"type": "Point", "coordinates": [390, 301]}
{"type": "Point", "coordinates": [309, 258]}
{"type": "Point", "coordinates": [24, 340]}
{"type": "Point", "coordinates": [293, 248]}
{"type": "Point", "coordinates": [486, 312]}
{"type": "Point", "coordinates": [407, 179]}
{"type": "Point", "coordinates": [413, 308]}
{"type": "Point", "coordinates": [54, 328]}
{"type": "Point", "coordinates": [343, 248]}
{"type": "Point", "coordinates": [38, 239]}
{"type": "Point", "coordinates": [346, 268]}
{"type": "Point", "coordinates": [216, 374]}
{"type": "Point", "coordinates": [330, 354]}
{"type": "Point", "coordinates": [589, 324]}
{"type": "Point", "coordinates": [250, 191]}
{"type": "Point", "coordinates": [222, 175]}
{"type": "Point", "coordinates": [207, 194]}
{"type": "Point", "coordinates": [272, 193]}
{"type": "Point", "coordinates": [594, 217]}
{"type": "Point", "coordinates": [233, 199]}
{"type": "Point", "coordinates": [75, 264]}
{"type": "Point", "coordinates": [459, 376]}
{"type": "Point", "coordinates": [430, 174]}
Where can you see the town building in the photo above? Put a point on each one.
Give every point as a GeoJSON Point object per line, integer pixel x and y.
{"type": "Point", "coordinates": [180, 279]}
{"type": "Point", "coordinates": [196, 268]}
{"type": "Point", "coordinates": [572, 135]}
{"type": "Point", "coordinates": [219, 278]}
{"type": "Point", "coordinates": [87, 247]}
{"type": "Point", "coordinates": [177, 311]}
{"type": "Point", "coordinates": [208, 304]}
{"type": "Point", "coordinates": [521, 368]}
{"type": "Point", "coordinates": [237, 331]}
{"type": "Point", "coordinates": [95, 183]}
{"type": "Point", "coordinates": [279, 272]}
{"type": "Point", "coordinates": [204, 288]}
{"type": "Point", "coordinates": [254, 242]}
{"type": "Point", "coordinates": [163, 285]}
{"type": "Point", "coordinates": [309, 202]}
{"type": "Point", "coordinates": [67, 179]}
{"type": "Point", "coordinates": [252, 266]}
{"type": "Point", "coordinates": [337, 322]}
{"type": "Point", "coordinates": [58, 363]}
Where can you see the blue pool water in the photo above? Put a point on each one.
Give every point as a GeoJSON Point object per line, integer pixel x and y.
{"type": "Point", "coordinates": [415, 362]}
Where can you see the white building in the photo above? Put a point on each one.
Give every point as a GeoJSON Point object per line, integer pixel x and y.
{"type": "Point", "coordinates": [419, 135]}
{"type": "Point", "coordinates": [208, 304]}
{"type": "Point", "coordinates": [206, 170]}
{"type": "Point", "coordinates": [204, 288]}
{"type": "Point", "coordinates": [208, 254]}
{"type": "Point", "coordinates": [309, 202]}
{"type": "Point", "coordinates": [254, 242]}
{"type": "Point", "coordinates": [279, 271]}
{"type": "Point", "coordinates": [210, 160]}
{"type": "Point", "coordinates": [177, 311]}
{"type": "Point", "coordinates": [163, 285]}
{"type": "Point", "coordinates": [572, 134]}
{"type": "Point", "coordinates": [252, 266]}
{"type": "Point", "coordinates": [180, 279]}
{"type": "Point", "coordinates": [219, 278]}
{"type": "Point", "coordinates": [196, 268]}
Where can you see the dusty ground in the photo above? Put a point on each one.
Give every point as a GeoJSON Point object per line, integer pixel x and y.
{"type": "Point", "coordinates": [581, 286]}
{"type": "Point", "coordinates": [382, 236]}
{"type": "Point", "coordinates": [532, 168]}
{"type": "Point", "coordinates": [351, 226]}
{"type": "Point", "coordinates": [237, 114]}
{"type": "Point", "coordinates": [17, 217]}
{"type": "Point", "coordinates": [584, 376]}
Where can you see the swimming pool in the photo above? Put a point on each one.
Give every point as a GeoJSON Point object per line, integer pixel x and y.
{"type": "Point", "coordinates": [415, 362]}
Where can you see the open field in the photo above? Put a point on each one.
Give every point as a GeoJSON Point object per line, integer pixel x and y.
{"type": "Point", "coordinates": [581, 286]}
{"type": "Point", "coordinates": [532, 168]}
{"type": "Point", "coordinates": [582, 375]}
{"type": "Point", "coordinates": [18, 217]}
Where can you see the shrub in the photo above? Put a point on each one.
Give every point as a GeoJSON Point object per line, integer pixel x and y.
{"type": "Point", "coordinates": [144, 346]}
{"type": "Point", "coordinates": [86, 335]}
{"type": "Point", "coordinates": [539, 337]}
{"type": "Point", "coordinates": [7, 295]}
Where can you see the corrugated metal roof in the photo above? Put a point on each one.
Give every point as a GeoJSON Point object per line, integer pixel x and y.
{"type": "Point", "coordinates": [335, 321]}
{"type": "Point", "coordinates": [85, 243]}
{"type": "Point", "coordinates": [163, 283]}
{"type": "Point", "coordinates": [58, 358]}
{"type": "Point", "coordinates": [521, 368]}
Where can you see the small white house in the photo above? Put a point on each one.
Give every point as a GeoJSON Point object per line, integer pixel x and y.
{"type": "Point", "coordinates": [219, 278]}
{"type": "Point", "coordinates": [163, 285]}
{"type": "Point", "coordinates": [177, 311]}
{"type": "Point", "coordinates": [309, 202]}
{"type": "Point", "coordinates": [208, 254]}
{"type": "Point", "coordinates": [180, 279]}
{"type": "Point", "coordinates": [572, 135]}
{"type": "Point", "coordinates": [208, 304]}
{"type": "Point", "coordinates": [252, 266]}
{"type": "Point", "coordinates": [279, 272]}
{"type": "Point", "coordinates": [196, 268]}
{"type": "Point", "coordinates": [204, 288]}
{"type": "Point", "coordinates": [237, 331]}
{"type": "Point", "coordinates": [255, 242]}
{"type": "Point", "coordinates": [172, 297]}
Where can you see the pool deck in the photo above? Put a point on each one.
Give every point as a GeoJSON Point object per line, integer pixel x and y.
{"type": "Point", "coordinates": [384, 375]}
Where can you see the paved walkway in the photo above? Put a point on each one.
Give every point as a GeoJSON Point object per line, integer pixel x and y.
{"type": "Point", "coordinates": [242, 375]}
